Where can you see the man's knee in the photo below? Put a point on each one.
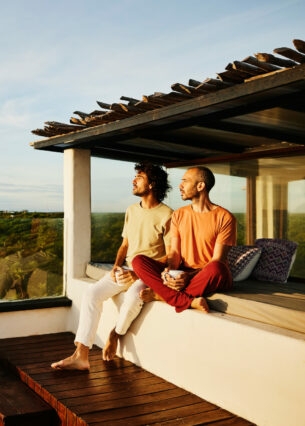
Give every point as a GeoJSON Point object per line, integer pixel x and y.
{"type": "Point", "coordinates": [221, 274]}
{"type": "Point", "coordinates": [217, 267]}
{"type": "Point", "coordinates": [138, 260]}
{"type": "Point", "coordinates": [92, 295]}
{"type": "Point", "coordinates": [132, 295]}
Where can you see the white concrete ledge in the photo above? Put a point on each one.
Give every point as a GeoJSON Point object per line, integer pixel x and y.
{"type": "Point", "coordinates": [249, 368]}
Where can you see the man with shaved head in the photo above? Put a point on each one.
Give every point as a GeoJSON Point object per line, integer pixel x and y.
{"type": "Point", "coordinates": [202, 234]}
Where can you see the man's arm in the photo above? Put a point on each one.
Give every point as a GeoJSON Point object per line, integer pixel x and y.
{"type": "Point", "coordinates": [220, 252]}
{"type": "Point", "coordinates": [120, 257]}
{"type": "Point", "coordinates": [165, 258]}
{"type": "Point", "coordinates": [173, 262]}
{"type": "Point", "coordinates": [121, 253]}
{"type": "Point", "coordinates": [127, 277]}
{"type": "Point", "coordinates": [174, 256]}
{"type": "Point", "coordinates": [227, 234]}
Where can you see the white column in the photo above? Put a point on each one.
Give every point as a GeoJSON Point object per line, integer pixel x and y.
{"type": "Point", "coordinates": [77, 213]}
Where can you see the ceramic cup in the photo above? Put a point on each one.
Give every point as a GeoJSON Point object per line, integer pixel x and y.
{"type": "Point", "coordinates": [118, 273]}
{"type": "Point", "coordinates": [175, 272]}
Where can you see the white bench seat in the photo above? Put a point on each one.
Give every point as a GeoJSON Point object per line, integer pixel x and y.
{"type": "Point", "coordinates": [251, 368]}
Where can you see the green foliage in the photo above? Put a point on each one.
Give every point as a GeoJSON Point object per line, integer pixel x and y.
{"type": "Point", "coordinates": [106, 236]}
{"type": "Point", "coordinates": [29, 243]}
{"type": "Point", "coordinates": [241, 228]}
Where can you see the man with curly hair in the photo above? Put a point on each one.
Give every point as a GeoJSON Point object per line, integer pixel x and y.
{"type": "Point", "coordinates": [145, 231]}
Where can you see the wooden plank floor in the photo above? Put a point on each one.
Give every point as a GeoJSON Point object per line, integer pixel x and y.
{"type": "Point", "coordinates": [112, 393]}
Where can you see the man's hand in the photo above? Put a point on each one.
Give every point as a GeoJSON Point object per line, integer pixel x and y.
{"type": "Point", "coordinates": [178, 283]}
{"type": "Point", "coordinates": [122, 276]}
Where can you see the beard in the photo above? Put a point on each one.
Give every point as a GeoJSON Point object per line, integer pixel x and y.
{"type": "Point", "coordinates": [140, 193]}
{"type": "Point", "coordinates": [184, 196]}
{"type": "Point", "coordinates": [190, 195]}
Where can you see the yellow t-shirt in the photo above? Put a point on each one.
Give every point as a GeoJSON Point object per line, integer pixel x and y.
{"type": "Point", "coordinates": [147, 231]}
{"type": "Point", "coordinates": [199, 232]}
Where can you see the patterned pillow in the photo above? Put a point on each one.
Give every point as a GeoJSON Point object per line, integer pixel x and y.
{"type": "Point", "coordinates": [242, 260]}
{"type": "Point", "coordinates": [276, 259]}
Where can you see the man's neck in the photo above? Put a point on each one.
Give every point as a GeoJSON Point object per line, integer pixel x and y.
{"type": "Point", "coordinates": [202, 205]}
{"type": "Point", "coordinates": [149, 202]}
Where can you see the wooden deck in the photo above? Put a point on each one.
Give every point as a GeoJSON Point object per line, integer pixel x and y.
{"type": "Point", "coordinates": [112, 393]}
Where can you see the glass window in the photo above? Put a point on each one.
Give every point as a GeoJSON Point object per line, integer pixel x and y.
{"type": "Point", "coordinates": [31, 255]}
{"type": "Point", "coordinates": [111, 194]}
{"type": "Point", "coordinates": [267, 196]}
{"type": "Point", "coordinates": [296, 223]}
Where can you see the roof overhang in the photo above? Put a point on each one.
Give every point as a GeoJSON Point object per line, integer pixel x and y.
{"type": "Point", "coordinates": [261, 117]}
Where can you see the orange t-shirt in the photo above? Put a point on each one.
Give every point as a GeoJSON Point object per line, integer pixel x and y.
{"type": "Point", "coordinates": [199, 232]}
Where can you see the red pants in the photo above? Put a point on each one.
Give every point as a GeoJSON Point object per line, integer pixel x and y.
{"type": "Point", "coordinates": [215, 276]}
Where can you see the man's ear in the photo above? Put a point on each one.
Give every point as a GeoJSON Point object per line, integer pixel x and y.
{"type": "Point", "coordinates": [200, 186]}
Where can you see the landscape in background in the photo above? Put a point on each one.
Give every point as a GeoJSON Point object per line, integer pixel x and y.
{"type": "Point", "coordinates": [31, 255]}
{"type": "Point", "coordinates": [31, 249]}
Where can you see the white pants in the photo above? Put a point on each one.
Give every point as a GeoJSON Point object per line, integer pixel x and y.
{"type": "Point", "coordinates": [92, 305]}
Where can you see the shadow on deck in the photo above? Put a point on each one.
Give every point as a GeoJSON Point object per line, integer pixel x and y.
{"type": "Point", "coordinates": [112, 393]}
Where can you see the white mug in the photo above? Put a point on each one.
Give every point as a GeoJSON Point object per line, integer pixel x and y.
{"type": "Point", "coordinates": [119, 272]}
{"type": "Point", "coordinates": [175, 272]}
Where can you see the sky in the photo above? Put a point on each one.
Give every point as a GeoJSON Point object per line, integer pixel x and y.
{"type": "Point", "coordinates": [60, 56]}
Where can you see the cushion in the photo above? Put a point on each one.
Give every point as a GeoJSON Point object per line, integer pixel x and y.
{"type": "Point", "coordinates": [276, 259]}
{"type": "Point", "coordinates": [242, 260]}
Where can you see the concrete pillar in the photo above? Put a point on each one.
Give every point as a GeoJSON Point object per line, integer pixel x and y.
{"type": "Point", "coordinates": [77, 213]}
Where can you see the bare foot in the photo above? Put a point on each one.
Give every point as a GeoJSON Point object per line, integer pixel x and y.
{"type": "Point", "coordinates": [201, 304]}
{"type": "Point", "coordinates": [148, 295]}
{"type": "Point", "coordinates": [73, 362]}
{"type": "Point", "coordinates": [109, 351]}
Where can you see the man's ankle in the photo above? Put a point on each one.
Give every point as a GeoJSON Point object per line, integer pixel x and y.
{"type": "Point", "coordinates": [114, 334]}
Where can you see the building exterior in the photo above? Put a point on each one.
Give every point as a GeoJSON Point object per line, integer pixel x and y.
{"type": "Point", "coordinates": [248, 122]}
